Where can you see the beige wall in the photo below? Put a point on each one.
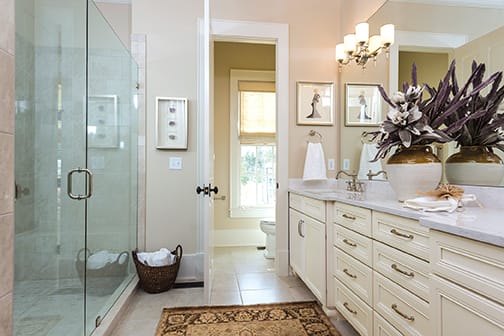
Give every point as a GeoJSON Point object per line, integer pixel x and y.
{"type": "Point", "coordinates": [7, 46]}
{"type": "Point", "coordinates": [171, 65]}
{"type": "Point", "coordinates": [431, 67]}
{"type": "Point", "coordinates": [171, 71]}
{"type": "Point", "coordinates": [314, 31]}
{"type": "Point", "coordinates": [470, 21]}
{"type": "Point", "coordinates": [229, 56]}
{"type": "Point", "coordinates": [351, 144]}
{"type": "Point", "coordinates": [119, 17]}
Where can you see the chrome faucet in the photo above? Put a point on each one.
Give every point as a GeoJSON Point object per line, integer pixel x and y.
{"type": "Point", "coordinates": [370, 174]}
{"type": "Point", "coordinates": [352, 185]}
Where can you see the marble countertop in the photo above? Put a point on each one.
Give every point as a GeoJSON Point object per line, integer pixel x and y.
{"type": "Point", "coordinates": [482, 224]}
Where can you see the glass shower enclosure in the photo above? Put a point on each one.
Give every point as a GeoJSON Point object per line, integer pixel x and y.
{"type": "Point", "coordinates": [75, 167]}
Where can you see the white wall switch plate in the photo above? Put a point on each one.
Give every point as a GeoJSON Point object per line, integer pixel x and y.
{"type": "Point", "coordinates": [330, 164]}
{"type": "Point", "coordinates": [346, 164]}
{"type": "Point", "coordinates": [175, 163]}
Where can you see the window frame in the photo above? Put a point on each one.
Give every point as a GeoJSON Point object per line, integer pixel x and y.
{"type": "Point", "coordinates": [235, 210]}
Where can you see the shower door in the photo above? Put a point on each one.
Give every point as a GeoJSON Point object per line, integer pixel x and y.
{"type": "Point", "coordinates": [75, 168]}
{"type": "Point", "coordinates": [112, 157]}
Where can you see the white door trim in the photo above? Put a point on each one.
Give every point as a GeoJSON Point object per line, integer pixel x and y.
{"type": "Point", "coordinates": [264, 32]}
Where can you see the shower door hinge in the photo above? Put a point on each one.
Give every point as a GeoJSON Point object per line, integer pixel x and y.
{"type": "Point", "coordinates": [137, 86]}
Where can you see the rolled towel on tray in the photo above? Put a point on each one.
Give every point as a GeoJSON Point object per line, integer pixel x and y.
{"type": "Point", "coordinates": [432, 203]}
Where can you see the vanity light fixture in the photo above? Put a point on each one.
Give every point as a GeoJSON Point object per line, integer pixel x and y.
{"type": "Point", "coordinates": [360, 47]}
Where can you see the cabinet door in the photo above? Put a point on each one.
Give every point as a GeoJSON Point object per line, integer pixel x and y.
{"type": "Point", "coordinates": [315, 258]}
{"type": "Point", "coordinates": [297, 241]}
{"type": "Point", "coordinates": [459, 311]}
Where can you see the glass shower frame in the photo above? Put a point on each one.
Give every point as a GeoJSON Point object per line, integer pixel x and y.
{"type": "Point", "coordinates": [75, 110]}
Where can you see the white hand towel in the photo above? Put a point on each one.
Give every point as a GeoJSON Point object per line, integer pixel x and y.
{"type": "Point", "coordinates": [368, 153]}
{"type": "Point", "coordinates": [314, 168]}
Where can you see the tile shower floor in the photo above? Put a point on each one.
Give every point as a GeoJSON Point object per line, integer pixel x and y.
{"type": "Point", "coordinates": [242, 276]}
{"type": "Point", "coordinates": [55, 308]}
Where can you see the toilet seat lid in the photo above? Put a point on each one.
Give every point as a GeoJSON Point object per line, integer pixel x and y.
{"type": "Point", "coordinates": [268, 221]}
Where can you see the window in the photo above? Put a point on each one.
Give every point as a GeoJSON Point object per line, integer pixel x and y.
{"type": "Point", "coordinates": [253, 144]}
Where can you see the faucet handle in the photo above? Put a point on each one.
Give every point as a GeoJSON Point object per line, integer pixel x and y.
{"type": "Point", "coordinates": [349, 185]}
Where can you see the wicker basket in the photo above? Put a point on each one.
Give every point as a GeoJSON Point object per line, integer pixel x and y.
{"type": "Point", "coordinates": [157, 279]}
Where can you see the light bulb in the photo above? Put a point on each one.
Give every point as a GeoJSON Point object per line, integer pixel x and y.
{"type": "Point", "coordinates": [349, 41]}
{"type": "Point", "coordinates": [362, 32]}
{"type": "Point", "coordinates": [387, 34]}
{"type": "Point", "coordinates": [374, 44]}
{"type": "Point", "coordinates": [340, 52]}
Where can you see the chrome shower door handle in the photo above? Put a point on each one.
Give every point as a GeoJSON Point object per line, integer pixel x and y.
{"type": "Point", "coordinates": [89, 191]}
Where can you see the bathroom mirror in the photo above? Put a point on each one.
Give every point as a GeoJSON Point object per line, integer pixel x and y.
{"type": "Point", "coordinates": [434, 32]}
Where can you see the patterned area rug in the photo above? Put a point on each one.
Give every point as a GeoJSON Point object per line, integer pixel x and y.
{"type": "Point", "coordinates": [279, 319]}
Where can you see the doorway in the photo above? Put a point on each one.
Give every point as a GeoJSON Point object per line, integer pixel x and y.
{"type": "Point", "coordinates": [237, 31]}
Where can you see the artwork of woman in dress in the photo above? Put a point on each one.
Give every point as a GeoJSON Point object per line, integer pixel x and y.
{"type": "Point", "coordinates": [363, 113]}
{"type": "Point", "coordinates": [315, 114]}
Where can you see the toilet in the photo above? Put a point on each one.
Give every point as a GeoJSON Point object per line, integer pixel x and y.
{"type": "Point", "coordinates": [268, 227]}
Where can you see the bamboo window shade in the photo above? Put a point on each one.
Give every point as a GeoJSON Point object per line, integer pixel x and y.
{"type": "Point", "coordinates": [257, 111]}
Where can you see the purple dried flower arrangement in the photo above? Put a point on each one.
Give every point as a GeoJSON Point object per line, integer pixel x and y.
{"type": "Point", "coordinates": [478, 122]}
{"type": "Point", "coordinates": [411, 120]}
{"type": "Point", "coordinates": [449, 114]}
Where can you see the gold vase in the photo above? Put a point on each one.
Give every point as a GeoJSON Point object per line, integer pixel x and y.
{"type": "Point", "coordinates": [474, 165]}
{"type": "Point", "coordinates": [413, 170]}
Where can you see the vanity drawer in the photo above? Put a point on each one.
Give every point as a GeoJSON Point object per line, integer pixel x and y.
{"type": "Point", "coordinates": [383, 328]}
{"type": "Point", "coordinates": [410, 272]}
{"type": "Point", "coordinates": [405, 311]}
{"type": "Point", "coordinates": [354, 244]}
{"type": "Point", "coordinates": [356, 311]}
{"type": "Point", "coordinates": [353, 217]}
{"type": "Point", "coordinates": [472, 264]}
{"type": "Point", "coordinates": [309, 206]}
{"type": "Point", "coordinates": [402, 233]}
{"type": "Point", "coordinates": [354, 274]}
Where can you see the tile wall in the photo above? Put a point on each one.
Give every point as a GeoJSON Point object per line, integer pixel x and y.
{"type": "Point", "coordinates": [6, 163]}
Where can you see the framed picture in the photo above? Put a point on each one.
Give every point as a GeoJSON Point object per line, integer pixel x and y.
{"type": "Point", "coordinates": [363, 105]}
{"type": "Point", "coordinates": [171, 123]}
{"type": "Point", "coordinates": [102, 129]}
{"type": "Point", "coordinates": [315, 103]}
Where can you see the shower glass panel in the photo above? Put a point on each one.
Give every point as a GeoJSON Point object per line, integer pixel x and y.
{"type": "Point", "coordinates": [50, 140]}
{"type": "Point", "coordinates": [112, 157]}
{"type": "Point", "coordinates": [75, 108]}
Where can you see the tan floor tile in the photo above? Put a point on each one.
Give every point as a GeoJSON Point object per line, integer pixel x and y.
{"type": "Point", "coordinates": [265, 296]}
{"type": "Point", "coordinates": [225, 298]}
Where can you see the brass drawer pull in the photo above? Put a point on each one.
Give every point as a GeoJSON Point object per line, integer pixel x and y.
{"type": "Point", "coordinates": [397, 233]}
{"type": "Point", "coordinates": [404, 316]}
{"type": "Point", "coordinates": [353, 276]}
{"type": "Point", "coordinates": [348, 217]}
{"type": "Point", "coordinates": [349, 309]}
{"type": "Point", "coordinates": [397, 269]}
{"type": "Point", "coordinates": [348, 242]}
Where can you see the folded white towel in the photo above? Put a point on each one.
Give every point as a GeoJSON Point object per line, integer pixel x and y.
{"type": "Point", "coordinates": [314, 167]}
{"type": "Point", "coordinates": [431, 203]}
{"type": "Point", "coordinates": [163, 257]}
{"type": "Point", "coordinates": [368, 153]}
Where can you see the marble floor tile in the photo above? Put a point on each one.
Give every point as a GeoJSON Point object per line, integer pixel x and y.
{"type": "Point", "coordinates": [241, 276]}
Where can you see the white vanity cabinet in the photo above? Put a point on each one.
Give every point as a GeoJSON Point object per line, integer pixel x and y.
{"type": "Point", "coordinates": [467, 286]}
{"type": "Point", "coordinates": [350, 260]}
{"type": "Point", "coordinates": [379, 272]}
{"type": "Point", "coordinates": [307, 239]}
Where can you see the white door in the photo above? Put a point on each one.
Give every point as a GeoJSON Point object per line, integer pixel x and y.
{"type": "Point", "coordinates": [205, 188]}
